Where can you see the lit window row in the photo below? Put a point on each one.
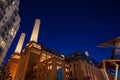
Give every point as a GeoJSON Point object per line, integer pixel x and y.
{"type": "Point", "coordinates": [67, 76]}
{"type": "Point", "coordinates": [48, 56]}
{"type": "Point", "coordinates": [44, 57]}
{"type": "Point", "coordinates": [66, 65]}
{"type": "Point", "coordinates": [37, 46]}
{"type": "Point", "coordinates": [49, 62]}
{"type": "Point", "coordinates": [58, 62]}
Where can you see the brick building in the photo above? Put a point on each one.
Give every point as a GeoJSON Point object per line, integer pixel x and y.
{"type": "Point", "coordinates": [37, 62]}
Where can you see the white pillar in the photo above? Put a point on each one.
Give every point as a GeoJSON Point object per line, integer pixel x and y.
{"type": "Point", "coordinates": [35, 32]}
{"type": "Point", "coordinates": [20, 43]}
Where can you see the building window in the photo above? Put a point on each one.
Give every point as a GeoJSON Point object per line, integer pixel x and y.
{"type": "Point", "coordinates": [49, 62]}
{"type": "Point", "coordinates": [66, 70]}
{"type": "Point", "coordinates": [50, 67]}
{"type": "Point", "coordinates": [66, 65]}
{"type": "Point", "coordinates": [48, 56]}
{"type": "Point", "coordinates": [12, 32]}
{"type": "Point", "coordinates": [43, 58]}
{"type": "Point", "coordinates": [58, 62]}
{"type": "Point", "coordinates": [13, 2]}
{"type": "Point", "coordinates": [3, 43]}
{"type": "Point", "coordinates": [58, 67]}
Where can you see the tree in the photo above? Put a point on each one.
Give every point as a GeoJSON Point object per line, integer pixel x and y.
{"type": "Point", "coordinates": [5, 73]}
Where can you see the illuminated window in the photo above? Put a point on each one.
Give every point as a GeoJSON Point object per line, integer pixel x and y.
{"type": "Point", "coordinates": [50, 67]}
{"type": "Point", "coordinates": [58, 67]}
{"type": "Point", "coordinates": [49, 62]}
{"type": "Point", "coordinates": [67, 76]}
{"type": "Point", "coordinates": [13, 2]}
{"type": "Point", "coordinates": [66, 65]}
{"type": "Point", "coordinates": [66, 70]}
{"type": "Point", "coordinates": [12, 32]}
{"type": "Point", "coordinates": [58, 62]}
{"type": "Point", "coordinates": [37, 46]}
{"type": "Point", "coordinates": [3, 44]}
{"type": "Point", "coordinates": [48, 56]}
{"type": "Point", "coordinates": [43, 57]}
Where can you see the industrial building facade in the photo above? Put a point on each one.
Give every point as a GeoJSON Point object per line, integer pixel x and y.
{"type": "Point", "coordinates": [37, 62]}
{"type": "Point", "coordinates": [9, 24]}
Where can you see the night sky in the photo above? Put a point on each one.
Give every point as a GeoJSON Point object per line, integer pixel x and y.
{"type": "Point", "coordinates": [68, 26]}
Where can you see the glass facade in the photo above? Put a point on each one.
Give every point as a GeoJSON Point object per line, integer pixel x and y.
{"type": "Point", "coordinates": [9, 24]}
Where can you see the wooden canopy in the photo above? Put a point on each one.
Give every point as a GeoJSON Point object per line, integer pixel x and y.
{"type": "Point", "coordinates": [111, 43]}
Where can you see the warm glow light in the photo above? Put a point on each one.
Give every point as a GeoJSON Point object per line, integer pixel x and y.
{"type": "Point", "coordinates": [16, 57]}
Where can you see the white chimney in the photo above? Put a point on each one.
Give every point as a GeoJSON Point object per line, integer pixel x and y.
{"type": "Point", "coordinates": [20, 43]}
{"type": "Point", "coordinates": [35, 32]}
{"type": "Point", "coordinates": [86, 53]}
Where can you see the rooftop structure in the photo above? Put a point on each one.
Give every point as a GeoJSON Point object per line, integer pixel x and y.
{"type": "Point", "coordinates": [115, 44]}
{"type": "Point", "coordinates": [82, 56]}
{"type": "Point", "coordinates": [113, 63]}
{"type": "Point", "coordinates": [9, 25]}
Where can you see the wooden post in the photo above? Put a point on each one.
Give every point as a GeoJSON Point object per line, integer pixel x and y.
{"type": "Point", "coordinates": [116, 72]}
{"type": "Point", "coordinates": [104, 69]}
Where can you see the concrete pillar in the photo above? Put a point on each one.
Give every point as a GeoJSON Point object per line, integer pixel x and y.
{"type": "Point", "coordinates": [35, 32]}
{"type": "Point", "coordinates": [20, 43]}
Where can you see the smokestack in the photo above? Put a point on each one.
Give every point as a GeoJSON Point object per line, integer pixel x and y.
{"type": "Point", "coordinates": [20, 43]}
{"type": "Point", "coordinates": [34, 36]}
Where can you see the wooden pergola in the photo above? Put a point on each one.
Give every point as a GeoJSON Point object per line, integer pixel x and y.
{"type": "Point", "coordinates": [112, 63]}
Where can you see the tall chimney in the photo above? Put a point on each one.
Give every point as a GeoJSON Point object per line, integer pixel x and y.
{"type": "Point", "coordinates": [34, 36]}
{"type": "Point", "coordinates": [20, 43]}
